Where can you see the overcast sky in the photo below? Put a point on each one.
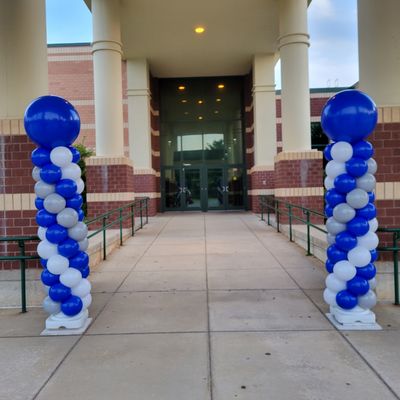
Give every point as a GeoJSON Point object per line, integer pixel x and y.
{"type": "Point", "coordinates": [332, 27]}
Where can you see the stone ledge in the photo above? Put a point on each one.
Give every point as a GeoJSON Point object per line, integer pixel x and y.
{"type": "Point", "coordinates": [108, 160]}
{"type": "Point", "coordinates": [299, 155]}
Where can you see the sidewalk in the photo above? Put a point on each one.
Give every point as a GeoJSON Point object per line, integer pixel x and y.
{"type": "Point", "coordinates": [213, 306]}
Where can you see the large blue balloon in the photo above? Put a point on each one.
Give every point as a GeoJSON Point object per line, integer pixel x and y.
{"type": "Point", "coordinates": [72, 306]}
{"type": "Point", "coordinates": [344, 183]}
{"type": "Point", "coordinates": [356, 167]}
{"type": "Point", "coordinates": [345, 241]}
{"type": "Point", "coordinates": [56, 233]}
{"type": "Point", "coordinates": [81, 215]}
{"type": "Point", "coordinates": [45, 219]}
{"type": "Point", "coordinates": [85, 272]}
{"type": "Point", "coordinates": [368, 212]}
{"type": "Point", "coordinates": [363, 150]}
{"type": "Point", "coordinates": [51, 121]}
{"type": "Point", "coordinates": [50, 173]}
{"type": "Point", "coordinates": [76, 156]}
{"type": "Point", "coordinates": [346, 300]}
{"type": "Point", "coordinates": [371, 196]}
{"type": "Point", "coordinates": [40, 157]}
{"type": "Point", "coordinates": [327, 152]}
{"type": "Point", "coordinates": [48, 278]}
{"type": "Point", "coordinates": [368, 272]}
{"type": "Point", "coordinates": [43, 261]}
{"type": "Point", "coordinates": [39, 203]}
{"type": "Point", "coordinates": [75, 202]}
{"type": "Point", "coordinates": [328, 211]}
{"type": "Point", "coordinates": [66, 188]}
{"type": "Point", "coordinates": [59, 292]}
{"type": "Point", "coordinates": [329, 265]}
{"type": "Point", "coordinates": [374, 255]}
{"type": "Point", "coordinates": [335, 254]}
{"type": "Point", "coordinates": [358, 226]}
{"type": "Point", "coordinates": [79, 261]}
{"type": "Point", "coordinates": [349, 116]}
{"type": "Point", "coordinates": [68, 248]}
{"type": "Point", "coordinates": [358, 286]}
{"type": "Point", "coordinates": [333, 197]}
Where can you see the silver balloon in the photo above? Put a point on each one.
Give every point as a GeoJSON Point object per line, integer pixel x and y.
{"type": "Point", "coordinates": [86, 301]}
{"type": "Point", "coordinates": [372, 166]}
{"type": "Point", "coordinates": [57, 264]}
{"type": "Point", "coordinates": [334, 227]}
{"type": "Point", "coordinates": [372, 283]}
{"type": "Point", "coordinates": [80, 185]}
{"type": "Point", "coordinates": [330, 238]}
{"type": "Point", "coordinates": [46, 249]}
{"type": "Point", "coordinates": [344, 270]}
{"type": "Point", "coordinates": [54, 203]}
{"type": "Point", "coordinates": [67, 217]}
{"type": "Point", "coordinates": [61, 156]}
{"type": "Point", "coordinates": [344, 213]}
{"type": "Point", "coordinates": [366, 182]}
{"type": "Point", "coordinates": [357, 198]}
{"type": "Point", "coordinates": [83, 244]}
{"type": "Point", "coordinates": [335, 284]}
{"type": "Point", "coordinates": [334, 168]}
{"type": "Point", "coordinates": [330, 297]}
{"type": "Point", "coordinates": [82, 288]}
{"type": "Point", "coordinates": [41, 232]}
{"type": "Point", "coordinates": [43, 189]}
{"type": "Point", "coordinates": [78, 232]}
{"type": "Point", "coordinates": [71, 277]}
{"type": "Point", "coordinates": [71, 171]}
{"type": "Point", "coordinates": [373, 224]}
{"type": "Point", "coordinates": [50, 306]}
{"type": "Point", "coordinates": [368, 300]}
{"type": "Point", "coordinates": [370, 240]}
{"type": "Point", "coordinates": [36, 174]}
{"type": "Point", "coordinates": [359, 256]}
{"type": "Point", "coordinates": [329, 183]}
{"type": "Point", "coordinates": [342, 151]}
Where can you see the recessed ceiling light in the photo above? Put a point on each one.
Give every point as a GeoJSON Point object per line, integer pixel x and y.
{"type": "Point", "coordinates": [216, 112]}
{"type": "Point", "coordinates": [186, 113]}
{"type": "Point", "coordinates": [200, 101]}
{"type": "Point", "coordinates": [184, 101]}
{"type": "Point", "coordinates": [199, 30]}
{"type": "Point", "coordinates": [200, 117]}
{"type": "Point", "coordinates": [221, 86]}
{"type": "Point", "coordinates": [218, 100]}
{"type": "Point", "coordinates": [181, 87]}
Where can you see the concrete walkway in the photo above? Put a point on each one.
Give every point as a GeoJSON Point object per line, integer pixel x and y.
{"type": "Point", "coordinates": [212, 306]}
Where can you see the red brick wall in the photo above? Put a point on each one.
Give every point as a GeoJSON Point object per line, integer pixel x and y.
{"type": "Point", "coordinates": [298, 173]}
{"type": "Point", "coordinates": [109, 178]}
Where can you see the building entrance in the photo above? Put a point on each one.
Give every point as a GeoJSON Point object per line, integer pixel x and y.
{"type": "Point", "coordinates": [202, 144]}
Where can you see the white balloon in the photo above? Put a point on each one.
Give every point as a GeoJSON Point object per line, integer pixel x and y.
{"type": "Point", "coordinates": [373, 224]}
{"type": "Point", "coordinates": [81, 186]}
{"type": "Point", "coordinates": [43, 189]}
{"type": "Point", "coordinates": [344, 213]}
{"type": "Point", "coordinates": [366, 182]}
{"type": "Point", "coordinates": [54, 203]}
{"type": "Point", "coordinates": [36, 174]}
{"type": "Point", "coordinates": [328, 183]}
{"type": "Point", "coordinates": [341, 151]}
{"type": "Point", "coordinates": [334, 168]}
{"type": "Point", "coordinates": [82, 288]}
{"type": "Point", "coordinates": [370, 240]}
{"type": "Point", "coordinates": [368, 300]}
{"type": "Point", "coordinates": [372, 283]}
{"type": "Point", "coordinates": [78, 232]}
{"type": "Point", "coordinates": [330, 238]}
{"type": "Point", "coordinates": [334, 227]}
{"type": "Point", "coordinates": [67, 217]}
{"type": "Point", "coordinates": [357, 198]}
{"type": "Point", "coordinates": [86, 301]}
{"type": "Point", "coordinates": [334, 284]}
{"type": "Point", "coordinates": [45, 289]}
{"type": "Point", "coordinates": [330, 297]}
{"type": "Point", "coordinates": [71, 171]}
{"type": "Point", "coordinates": [344, 270]}
{"type": "Point", "coordinates": [71, 277]}
{"type": "Point", "coordinates": [83, 244]}
{"type": "Point", "coordinates": [372, 166]}
{"type": "Point", "coordinates": [57, 264]}
{"type": "Point", "coordinates": [359, 256]}
{"type": "Point", "coordinates": [41, 232]}
{"type": "Point", "coordinates": [51, 306]}
{"type": "Point", "coordinates": [46, 249]}
{"type": "Point", "coordinates": [61, 156]}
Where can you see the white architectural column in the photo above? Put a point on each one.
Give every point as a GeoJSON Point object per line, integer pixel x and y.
{"type": "Point", "coordinates": [107, 51]}
{"type": "Point", "coordinates": [379, 50]}
{"type": "Point", "coordinates": [293, 45]}
{"type": "Point", "coordinates": [139, 113]}
{"type": "Point", "coordinates": [264, 110]}
{"type": "Point", "coordinates": [23, 55]}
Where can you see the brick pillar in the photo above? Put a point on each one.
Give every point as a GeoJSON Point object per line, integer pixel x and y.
{"type": "Point", "coordinates": [17, 198]}
{"type": "Point", "coordinates": [299, 180]}
{"type": "Point", "coordinates": [262, 183]}
{"type": "Point", "coordinates": [145, 183]}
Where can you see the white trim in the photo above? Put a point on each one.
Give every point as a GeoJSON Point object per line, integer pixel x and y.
{"type": "Point", "coordinates": [121, 196]}
{"type": "Point", "coordinates": [299, 192]}
{"type": "Point", "coordinates": [260, 192]}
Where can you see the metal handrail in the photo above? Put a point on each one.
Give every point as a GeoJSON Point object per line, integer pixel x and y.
{"type": "Point", "coordinates": [274, 208]}
{"type": "Point", "coordinates": [140, 205]}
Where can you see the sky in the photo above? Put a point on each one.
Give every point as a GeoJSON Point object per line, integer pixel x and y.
{"type": "Point", "coordinates": [332, 25]}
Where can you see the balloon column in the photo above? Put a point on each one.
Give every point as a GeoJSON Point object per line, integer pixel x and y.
{"type": "Point", "coordinates": [53, 124]}
{"type": "Point", "coordinates": [347, 119]}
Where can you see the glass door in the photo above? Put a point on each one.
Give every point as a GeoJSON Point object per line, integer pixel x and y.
{"type": "Point", "coordinates": [215, 189]}
{"type": "Point", "coordinates": [235, 187]}
{"type": "Point", "coordinates": [192, 189]}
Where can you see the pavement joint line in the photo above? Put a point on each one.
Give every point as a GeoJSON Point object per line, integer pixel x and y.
{"type": "Point", "coordinates": [341, 333]}
{"type": "Point", "coordinates": [93, 321]}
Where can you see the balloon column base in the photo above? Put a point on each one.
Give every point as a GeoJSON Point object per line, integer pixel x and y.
{"type": "Point", "coordinates": [356, 319]}
{"type": "Point", "coordinates": [62, 325]}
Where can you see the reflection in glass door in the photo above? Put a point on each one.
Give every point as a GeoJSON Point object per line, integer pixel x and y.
{"type": "Point", "coordinates": [192, 189]}
{"type": "Point", "coordinates": [234, 188]}
{"type": "Point", "coordinates": [215, 189]}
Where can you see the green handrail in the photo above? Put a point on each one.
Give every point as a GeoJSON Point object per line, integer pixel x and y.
{"type": "Point", "coordinates": [278, 207]}
{"type": "Point", "coordinates": [140, 205]}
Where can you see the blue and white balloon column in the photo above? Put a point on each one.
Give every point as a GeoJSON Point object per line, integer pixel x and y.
{"type": "Point", "coordinates": [347, 119]}
{"type": "Point", "coordinates": [53, 124]}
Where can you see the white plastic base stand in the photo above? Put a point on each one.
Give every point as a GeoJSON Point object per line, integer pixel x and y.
{"type": "Point", "coordinates": [356, 319]}
{"type": "Point", "coordinates": [61, 325]}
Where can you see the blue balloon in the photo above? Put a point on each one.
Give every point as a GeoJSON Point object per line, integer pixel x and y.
{"type": "Point", "coordinates": [85, 272]}
{"type": "Point", "coordinates": [327, 152]}
{"type": "Point", "coordinates": [356, 167]}
{"type": "Point", "coordinates": [48, 278]}
{"type": "Point", "coordinates": [45, 219]}
{"type": "Point", "coordinates": [344, 183]}
{"type": "Point", "coordinates": [349, 116]}
{"type": "Point", "coordinates": [333, 197]}
{"type": "Point", "coordinates": [56, 233]}
{"type": "Point", "coordinates": [368, 212]}
{"type": "Point", "coordinates": [335, 254]}
{"type": "Point", "coordinates": [51, 121]}
{"type": "Point", "coordinates": [43, 261]}
{"type": "Point", "coordinates": [76, 156]}
{"type": "Point", "coordinates": [66, 188]}
{"type": "Point", "coordinates": [357, 286]}
{"type": "Point", "coordinates": [40, 157]}
{"type": "Point", "coordinates": [79, 261]}
{"type": "Point", "coordinates": [374, 255]}
{"type": "Point", "coordinates": [363, 150]}
{"type": "Point", "coordinates": [72, 306]}
{"type": "Point", "coordinates": [39, 203]}
{"type": "Point", "coordinates": [345, 241]}
{"type": "Point", "coordinates": [68, 248]}
{"type": "Point", "coordinates": [368, 272]}
{"type": "Point", "coordinates": [328, 211]}
{"type": "Point", "coordinates": [81, 215]}
{"type": "Point", "coordinates": [371, 196]}
{"type": "Point", "coordinates": [346, 300]}
{"type": "Point", "coordinates": [75, 202]}
{"type": "Point", "coordinates": [50, 173]}
{"type": "Point", "coordinates": [59, 292]}
{"type": "Point", "coordinates": [329, 265]}
{"type": "Point", "coordinates": [358, 226]}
